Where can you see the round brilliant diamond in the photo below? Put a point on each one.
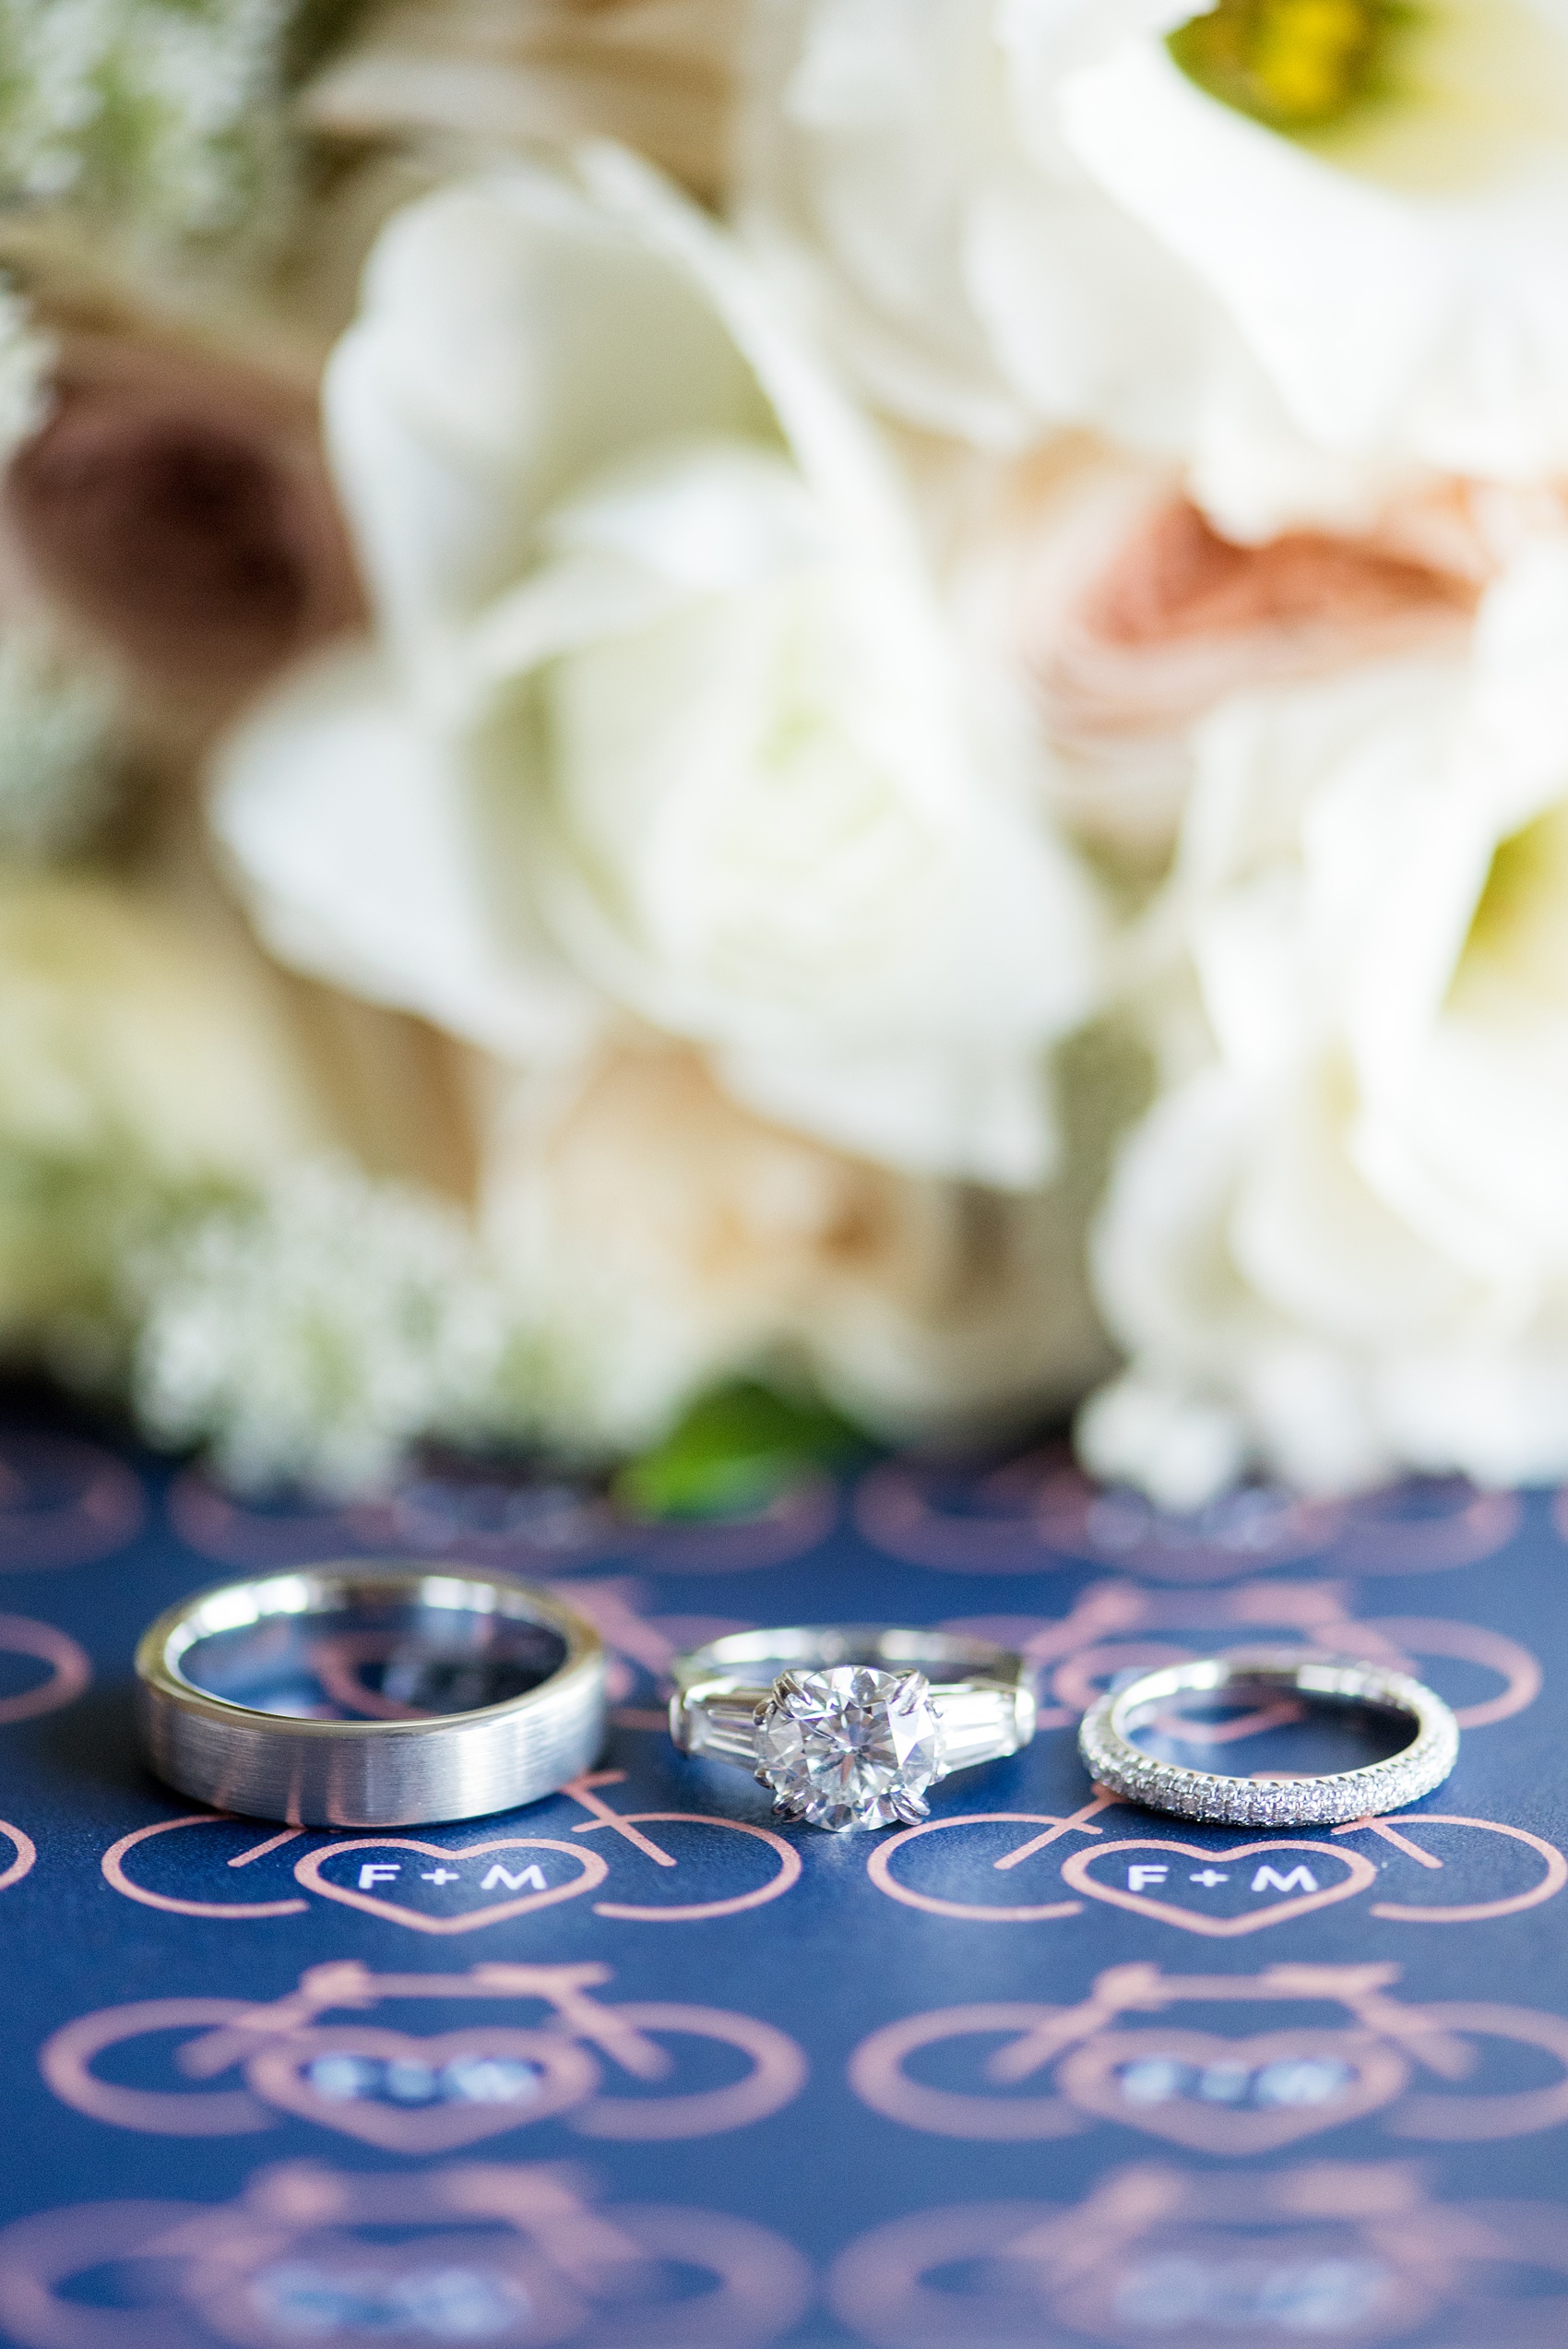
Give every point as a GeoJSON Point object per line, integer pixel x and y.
{"type": "Point", "coordinates": [850, 1746]}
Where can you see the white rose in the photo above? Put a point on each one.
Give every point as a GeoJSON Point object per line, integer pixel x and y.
{"type": "Point", "coordinates": [908, 156]}
{"type": "Point", "coordinates": [920, 168]}
{"type": "Point", "coordinates": [1378, 199]}
{"type": "Point", "coordinates": [662, 724]}
{"type": "Point", "coordinates": [1342, 1245]}
{"type": "Point", "coordinates": [665, 1240]}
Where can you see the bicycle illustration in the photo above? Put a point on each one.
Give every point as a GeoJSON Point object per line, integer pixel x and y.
{"type": "Point", "coordinates": [413, 2093]}
{"type": "Point", "coordinates": [67, 1670]}
{"type": "Point", "coordinates": [64, 1502]}
{"type": "Point", "coordinates": [1225, 1894]}
{"type": "Point", "coordinates": [1345, 2254]}
{"type": "Point", "coordinates": [1116, 1627]}
{"type": "Point", "coordinates": [1214, 2092]}
{"type": "Point", "coordinates": [509, 2254]}
{"type": "Point", "coordinates": [474, 1885]}
{"type": "Point", "coordinates": [540, 1527]}
{"type": "Point", "coordinates": [1038, 1513]}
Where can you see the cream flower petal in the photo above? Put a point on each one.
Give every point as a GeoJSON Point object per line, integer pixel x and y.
{"type": "Point", "coordinates": [581, 341]}
{"type": "Point", "coordinates": [350, 834]}
{"type": "Point", "coordinates": [903, 160]}
{"type": "Point", "coordinates": [671, 1240]}
{"type": "Point", "coordinates": [1499, 1409]}
{"type": "Point", "coordinates": [756, 830]}
{"type": "Point", "coordinates": [931, 1111]}
{"type": "Point", "coordinates": [667, 719]}
{"type": "Point", "coordinates": [1359, 1211]}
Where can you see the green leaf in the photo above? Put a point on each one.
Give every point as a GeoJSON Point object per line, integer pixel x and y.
{"type": "Point", "coordinates": [736, 1451]}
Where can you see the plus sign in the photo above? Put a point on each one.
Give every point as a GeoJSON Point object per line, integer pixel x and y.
{"type": "Point", "coordinates": [440, 1875]}
{"type": "Point", "coordinates": [1209, 1876]}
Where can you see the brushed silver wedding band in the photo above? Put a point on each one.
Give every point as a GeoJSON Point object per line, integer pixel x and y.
{"type": "Point", "coordinates": [375, 1772]}
{"type": "Point", "coordinates": [1333, 1798]}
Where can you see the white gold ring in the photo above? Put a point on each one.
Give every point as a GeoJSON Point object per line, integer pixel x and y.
{"type": "Point", "coordinates": [364, 1695]}
{"type": "Point", "coordinates": [850, 1724]}
{"type": "Point", "coordinates": [1114, 1762]}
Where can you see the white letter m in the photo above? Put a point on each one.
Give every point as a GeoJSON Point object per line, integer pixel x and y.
{"type": "Point", "coordinates": [1301, 1880]}
{"type": "Point", "coordinates": [533, 1876]}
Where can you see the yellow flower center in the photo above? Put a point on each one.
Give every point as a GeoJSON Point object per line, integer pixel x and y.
{"type": "Point", "coordinates": [1518, 935]}
{"type": "Point", "coordinates": [1296, 65]}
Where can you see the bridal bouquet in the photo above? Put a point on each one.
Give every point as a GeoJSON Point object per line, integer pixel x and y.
{"type": "Point", "coordinates": [723, 719]}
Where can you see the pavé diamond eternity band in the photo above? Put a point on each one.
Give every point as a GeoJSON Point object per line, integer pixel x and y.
{"type": "Point", "coordinates": [850, 1724]}
{"type": "Point", "coordinates": [1114, 1762]}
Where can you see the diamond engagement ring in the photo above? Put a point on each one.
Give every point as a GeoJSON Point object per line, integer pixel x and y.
{"type": "Point", "coordinates": [850, 1724]}
{"type": "Point", "coordinates": [1333, 1798]}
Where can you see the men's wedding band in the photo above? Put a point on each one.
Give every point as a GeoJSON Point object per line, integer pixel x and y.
{"type": "Point", "coordinates": [850, 1724]}
{"type": "Point", "coordinates": [1333, 1798]}
{"type": "Point", "coordinates": [371, 1695]}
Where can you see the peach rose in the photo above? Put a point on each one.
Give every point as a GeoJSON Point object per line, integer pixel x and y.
{"type": "Point", "coordinates": [668, 1240]}
{"type": "Point", "coordinates": [1124, 615]}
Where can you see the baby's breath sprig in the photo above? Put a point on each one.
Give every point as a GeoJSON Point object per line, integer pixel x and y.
{"type": "Point", "coordinates": [313, 1332]}
{"type": "Point", "coordinates": [59, 771]}
{"type": "Point", "coordinates": [165, 121]}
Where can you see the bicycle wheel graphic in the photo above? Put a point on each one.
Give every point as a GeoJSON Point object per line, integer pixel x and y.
{"type": "Point", "coordinates": [684, 2279]}
{"type": "Point", "coordinates": [878, 2077]}
{"type": "Point", "coordinates": [776, 2073]}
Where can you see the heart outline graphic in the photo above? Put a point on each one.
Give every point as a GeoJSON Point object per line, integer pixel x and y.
{"type": "Point", "coordinates": [570, 2075]}
{"type": "Point", "coordinates": [307, 1871]}
{"type": "Point", "coordinates": [1086, 2079]}
{"type": "Point", "coordinates": [1361, 1873]}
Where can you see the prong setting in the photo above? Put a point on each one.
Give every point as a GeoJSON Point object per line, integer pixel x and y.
{"type": "Point", "coordinates": [850, 1746]}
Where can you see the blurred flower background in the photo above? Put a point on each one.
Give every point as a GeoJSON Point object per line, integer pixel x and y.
{"type": "Point", "coordinates": [732, 724]}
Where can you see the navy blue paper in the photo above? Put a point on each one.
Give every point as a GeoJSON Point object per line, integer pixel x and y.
{"type": "Point", "coordinates": [632, 2066]}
